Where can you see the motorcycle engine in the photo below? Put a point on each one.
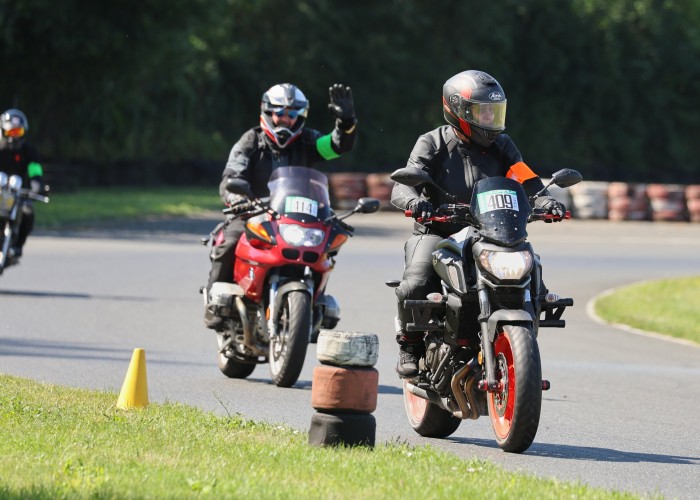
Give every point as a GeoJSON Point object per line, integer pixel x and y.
{"type": "Point", "coordinates": [435, 350]}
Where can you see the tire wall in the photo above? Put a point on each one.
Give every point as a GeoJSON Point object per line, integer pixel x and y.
{"type": "Point", "coordinates": [615, 201]}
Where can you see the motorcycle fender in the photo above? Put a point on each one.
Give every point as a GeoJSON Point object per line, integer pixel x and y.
{"type": "Point", "coordinates": [289, 287]}
{"type": "Point", "coordinates": [510, 316]}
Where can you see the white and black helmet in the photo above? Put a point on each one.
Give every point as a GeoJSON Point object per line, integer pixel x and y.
{"type": "Point", "coordinates": [474, 103]}
{"type": "Point", "coordinates": [277, 99]}
{"type": "Point", "coordinates": [14, 126]}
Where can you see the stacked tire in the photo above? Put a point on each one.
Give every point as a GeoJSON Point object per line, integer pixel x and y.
{"type": "Point", "coordinates": [379, 186]}
{"type": "Point", "coordinates": [590, 200]}
{"type": "Point", "coordinates": [346, 188]}
{"type": "Point", "coordinates": [692, 196]}
{"type": "Point", "coordinates": [344, 389]}
{"type": "Point", "coordinates": [627, 201]}
{"type": "Point", "coordinates": [667, 202]}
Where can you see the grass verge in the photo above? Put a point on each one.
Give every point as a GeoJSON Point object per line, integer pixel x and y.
{"type": "Point", "coordinates": [670, 306]}
{"type": "Point", "coordinates": [60, 442]}
{"type": "Point", "coordinates": [104, 204]}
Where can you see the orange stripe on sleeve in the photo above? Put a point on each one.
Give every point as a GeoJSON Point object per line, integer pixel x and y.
{"type": "Point", "coordinates": [520, 172]}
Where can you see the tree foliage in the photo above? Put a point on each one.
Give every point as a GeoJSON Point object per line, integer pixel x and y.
{"type": "Point", "coordinates": [605, 86]}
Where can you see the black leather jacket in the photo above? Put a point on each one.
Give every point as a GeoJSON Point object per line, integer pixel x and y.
{"type": "Point", "coordinates": [23, 161]}
{"type": "Point", "coordinates": [456, 166]}
{"type": "Point", "coordinates": [253, 157]}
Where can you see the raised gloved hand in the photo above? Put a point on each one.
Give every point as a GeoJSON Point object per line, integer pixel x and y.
{"type": "Point", "coordinates": [552, 206]}
{"type": "Point", "coordinates": [420, 208]}
{"type": "Point", "coordinates": [342, 106]}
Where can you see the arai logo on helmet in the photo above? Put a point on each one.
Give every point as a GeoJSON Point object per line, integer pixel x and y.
{"type": "Point", "coordinates": [496, 96]}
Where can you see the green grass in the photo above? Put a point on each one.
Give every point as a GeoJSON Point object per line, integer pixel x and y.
{"type": "Point", "coordinates": [104, 204]}
{"type": "Point", "coordinates": [59, 442]}
{"type": "Point", "coordinates": [670, 306]}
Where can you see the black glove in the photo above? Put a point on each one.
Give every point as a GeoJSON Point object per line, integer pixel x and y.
{"type": "Point", "coordinates": [420, 208]}
{"type": "Point", "coordinates": [36, 185]}
{"type": "Point", "coordinates": [552, 206]}
{"type": "Point", "coordinates": [234, 199]}
{"type": "Point", "coordinates": [342, 106]}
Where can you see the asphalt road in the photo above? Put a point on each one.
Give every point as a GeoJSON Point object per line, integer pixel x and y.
{"type": "Point", "coordinates": [622, 411]}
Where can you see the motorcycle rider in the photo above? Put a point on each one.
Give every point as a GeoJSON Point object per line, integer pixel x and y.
{"type": "Point", "coordinates": [280, 140]}
{"type": "Point", "coordinates": [19, 157]}
{"type": "Point", "coordinates": [472, 146]}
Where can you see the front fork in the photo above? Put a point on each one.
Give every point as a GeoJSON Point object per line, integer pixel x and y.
{"type": "Point", "coordinates": [6, 242]}
{"type": "Point", "coordinates": [274, 304]}
{"type": "Point", "coordinates": [490, 384]}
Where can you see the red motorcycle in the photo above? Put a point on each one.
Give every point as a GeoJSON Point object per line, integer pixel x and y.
{"type": "Point", "coordinates": [276, 305]}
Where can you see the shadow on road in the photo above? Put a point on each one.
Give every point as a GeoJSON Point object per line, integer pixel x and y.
{"type": "Point", "coordinates": [64, 350]}
{"type": "Point", "coordinates": [589, 453]}
{"type": "Point", "coordinates": [71, 295]}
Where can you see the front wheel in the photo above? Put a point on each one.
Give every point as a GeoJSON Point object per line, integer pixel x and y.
{"type": "Point", "coordinates": [5, 240]}
{"type": "Point", "coordinates": [427, 418]}
{"type": "Point", "coordinates": [514, 408]}
{"type": "Point", "coordinates": [288, 346]}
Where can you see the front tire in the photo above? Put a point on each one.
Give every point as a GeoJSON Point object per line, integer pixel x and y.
{"type": "Point", "coordinates": [288, 347]}
{"type": "Point", "coordinates": [427, 418]}
{"type": "Point", "coordinates": [515, 408]}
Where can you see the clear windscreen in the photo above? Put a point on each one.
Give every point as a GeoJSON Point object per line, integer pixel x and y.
{"type": "Point", "coordinates": [300, 191]}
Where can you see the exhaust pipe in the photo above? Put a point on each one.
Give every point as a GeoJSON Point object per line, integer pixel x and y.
{"type": "Point", "coordinates": [248, 337]}
{"type": "Point", "coordinates": [463, 393]}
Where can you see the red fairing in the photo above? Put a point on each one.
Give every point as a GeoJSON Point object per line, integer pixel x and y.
{"type": "Point", "coordinates": [252, 265]}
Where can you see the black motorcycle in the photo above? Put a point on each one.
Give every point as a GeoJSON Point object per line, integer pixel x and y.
{"type": "Point", "coordinates": [481, 352]}
{"type": "Point", "coordinates": [12, 198]}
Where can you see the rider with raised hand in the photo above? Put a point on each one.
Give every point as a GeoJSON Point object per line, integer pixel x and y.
{"type": "Point", "coordinates": [19, 157]}
{"type": "Point", "coordinates": [472, 146]}
{"type": "Point", "coordinates": [280, 140]}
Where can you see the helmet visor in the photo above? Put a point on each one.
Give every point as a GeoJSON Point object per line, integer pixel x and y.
{"type": "Point", "coordinates": [281, 111]}
{"type": "Point", "coordinates": [487, 115]}
{"type": "Point", "coordinates": [14, 132]}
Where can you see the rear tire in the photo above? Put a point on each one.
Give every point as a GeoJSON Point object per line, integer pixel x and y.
{"type": "Point", "coordinates": [515, 409]}
{"type": "Point", "coordinates": [288, 347]}
{"type": "Point", "coordinates": [427, 418]}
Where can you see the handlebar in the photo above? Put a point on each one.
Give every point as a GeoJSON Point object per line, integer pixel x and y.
{"type": "Point", "coordinates": [547, 217]}
{"type": "Point", "coordinates": [462, 213]}
{"type": "Point", "coordinates": [36, 197]}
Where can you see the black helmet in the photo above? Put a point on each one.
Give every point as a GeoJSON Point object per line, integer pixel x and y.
{"type": "Point", "coordinates": [14, 127]}
{"type": "Point", "coordinates": [474, 103]}
{"type": "Point", "coordinates": [276, 100]}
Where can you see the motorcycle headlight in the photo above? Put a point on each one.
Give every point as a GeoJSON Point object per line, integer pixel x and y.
{"type": "Point", "coordinates": [299, 236]}
{"type": "Point", "coordinates": [506, 265]}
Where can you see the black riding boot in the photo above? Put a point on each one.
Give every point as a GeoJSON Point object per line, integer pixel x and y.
{"type": "Point", "coordinates": [411, 349]}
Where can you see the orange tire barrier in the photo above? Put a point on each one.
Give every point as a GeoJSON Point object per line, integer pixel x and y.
{"type": "Point", "coordinates": [339, 389]}
{"type": "Point", "coordinates": [667, 202]}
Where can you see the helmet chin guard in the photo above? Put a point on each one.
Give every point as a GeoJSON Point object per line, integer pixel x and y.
{"type": "Point", "coordinates": [280, 136]}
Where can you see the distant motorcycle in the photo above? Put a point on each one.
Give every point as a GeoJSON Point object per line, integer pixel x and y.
{"type": "Point", "coordinates": [481, 352]}
{"type": "Point", "coordinates": [276, 304]}
{"type": "Point", "coordinates": [12, 198]}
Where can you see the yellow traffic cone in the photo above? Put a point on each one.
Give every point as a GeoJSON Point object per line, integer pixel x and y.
{"type": "Point", "coordinates": [134, 392]}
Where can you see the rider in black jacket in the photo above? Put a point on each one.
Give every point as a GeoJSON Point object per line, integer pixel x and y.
{"type": "Point", "coordinates": [19, 157]}
{"type": "Point", "coordinates": [280, 140]}
{"type": "Point", "coordinates": [471, 147]}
